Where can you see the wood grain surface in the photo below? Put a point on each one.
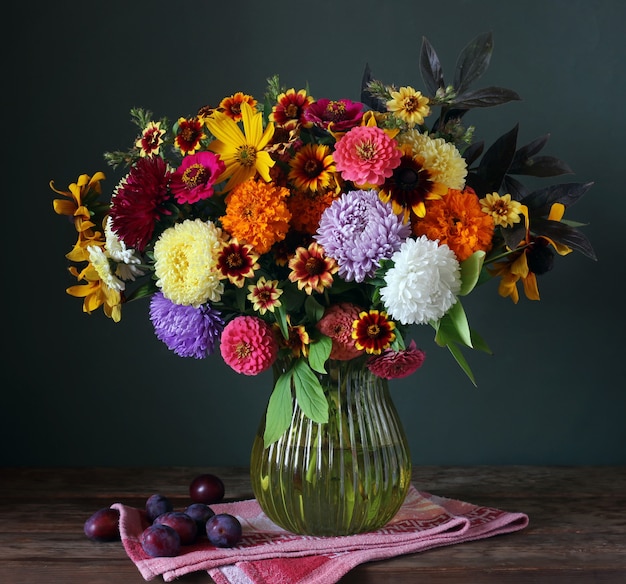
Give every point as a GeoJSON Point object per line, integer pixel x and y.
{"type": "Point", "coordinates": [577, 531]}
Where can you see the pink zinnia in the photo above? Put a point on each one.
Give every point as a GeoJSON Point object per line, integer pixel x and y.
{"type": "Point", "coordinates": [337, 324]}
{"type": "Point", "coordinates": [367, 155]}
{"type": "Point", "coordinates": [195, 177]}
{"type": "Point", "coordinates": [392, 364]}
{"type": "Point", "coordinates": [248, 345]}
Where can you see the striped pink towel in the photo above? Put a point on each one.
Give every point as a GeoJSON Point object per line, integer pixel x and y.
{"type": "Point", "coordinates": [267, 554]}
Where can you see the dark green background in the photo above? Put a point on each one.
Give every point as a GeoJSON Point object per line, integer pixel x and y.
{"type": "Point", "coordinates": [81, 390]}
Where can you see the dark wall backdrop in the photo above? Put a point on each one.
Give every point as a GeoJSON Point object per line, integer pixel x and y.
{"type": "Point", "coordinates": [82, 390]}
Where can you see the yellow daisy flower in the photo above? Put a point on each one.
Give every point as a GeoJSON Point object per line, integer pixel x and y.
{"type": "Point", "coordinates": [242, 152]}
{"type": "Point", "coordinates": [504, 211]}
{"type": "Point", "coordinates": [409, 105]}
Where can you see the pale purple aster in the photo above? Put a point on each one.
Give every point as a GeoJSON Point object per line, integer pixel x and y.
{"type": "Point", "coordinates": [358, 230]}
{"type": "Point", "coordinates": [188, 331]}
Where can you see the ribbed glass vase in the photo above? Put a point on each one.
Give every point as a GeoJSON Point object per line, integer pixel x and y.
{"type": "Point", "coordinates": [347, 476]}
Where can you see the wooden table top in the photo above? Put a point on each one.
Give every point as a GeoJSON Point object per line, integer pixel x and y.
{"type": "Point", "coordinates": [577, 531]}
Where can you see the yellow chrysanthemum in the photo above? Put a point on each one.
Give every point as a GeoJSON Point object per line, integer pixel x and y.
{"type": "Point", "coordinates": [441, 158]}
{"type": "Point", "coordinates": [409, 105]}
{"type": "Point", "coordinates": [504, 211]}
{"type": "Point", "coordinates": [241, 152]}
{"type": "Point", "coordinates": [185, 262]}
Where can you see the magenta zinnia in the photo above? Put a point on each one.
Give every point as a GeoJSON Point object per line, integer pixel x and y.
{"type": "Point", "coordinates": [335, 115]}
{"type": "Point", "coordinates": [195, 177]}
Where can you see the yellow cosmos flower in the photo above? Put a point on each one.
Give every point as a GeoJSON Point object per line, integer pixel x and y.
{"type": "Point", "coordinates": [242, 152]}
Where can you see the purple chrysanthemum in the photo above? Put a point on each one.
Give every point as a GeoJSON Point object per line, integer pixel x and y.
{"type": "Point", "coordinates": [358, 230]}
{"type": "Point", "coordinates": [188, 331]}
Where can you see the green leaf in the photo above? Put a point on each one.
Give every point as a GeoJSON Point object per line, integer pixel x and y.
{"type": "Point", "coordinates": [319, 351]}
{"type": "Point", "coordinates": [309, 392]}
{"type": "Point", "coordinates": [479, 343]}
{"type": "Point", "coordinates": [281, 319]}
{"type": "Point", "coordinates": [460, 359]}
{"type": "Point", "coordinates": [142, 291]}
{"type": "Point", "coordinates": [313, 309]}
{"type": "Point", "coordinates": [470, 271]}
{"type": "Point", "coordinates": [279, 409]}
{"type": "Point", "coordinates": [453, 327]}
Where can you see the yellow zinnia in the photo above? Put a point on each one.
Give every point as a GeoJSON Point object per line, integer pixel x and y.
{"type": "Point", "coordinates": [241, 152]}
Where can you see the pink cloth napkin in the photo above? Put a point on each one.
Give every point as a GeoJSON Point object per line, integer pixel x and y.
{"type": "Point", "coordinates": [267, 554]}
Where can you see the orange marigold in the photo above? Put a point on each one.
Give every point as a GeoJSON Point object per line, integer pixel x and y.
{"type": "Point", "coordinates": [307, 208]}
{"type": "Point", "coordinates": [458, 221]}
{"type": "Point", "coordinates": [257, 214]}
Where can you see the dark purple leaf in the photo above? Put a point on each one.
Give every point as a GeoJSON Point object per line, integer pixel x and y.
{"type": "Point", "coordinates": [514, 235]}
{"type": "Point", "coordinates": [472, 152]}
{"type": "Point", "coordinates": [430, 68]}
{"type": "Point", "coordinates": [514, 188]}
{"type": "Point", "coordinates": [564, 234]}
{"type": "Point", "coordinates": [473, 61]}
{"type": "Point", "coordinates": [541, 166]}
{"type": "Point", "coordinates": [486, 97]}
{"type": "Point", "coordinates": [532, 148]}
{"type": "Point", "coordinates": [366, 97]}
{"type": "Point", "coordinates": [540, 201]}
{"type": "Point", "coordinates": [496, 161]}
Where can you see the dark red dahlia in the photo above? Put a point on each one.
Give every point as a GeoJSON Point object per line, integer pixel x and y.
{"type": "Point", "coordinates": [139, 201]}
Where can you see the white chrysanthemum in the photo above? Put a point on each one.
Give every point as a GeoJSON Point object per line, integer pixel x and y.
{"type": "Point", "coordinates": [126, 258]}
{"type": "Point", "coordinates": [423, 283]}
{"type": "Point", "coordinates": [441, 158]}
{"type": "Point", "coordinates": [100, 262]}
{"type": "Point", "coordinates": [185, 261]}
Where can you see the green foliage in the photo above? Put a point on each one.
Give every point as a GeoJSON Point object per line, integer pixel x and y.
{"type": "Point", "coordinates": [279, 409]}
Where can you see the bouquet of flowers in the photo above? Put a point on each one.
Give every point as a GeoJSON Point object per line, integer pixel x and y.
{"type": "Point", "coordinates": [303, 229]}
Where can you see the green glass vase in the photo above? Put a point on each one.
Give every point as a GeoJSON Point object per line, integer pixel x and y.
{"type": "Point", "coordinates": [347, 476]}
